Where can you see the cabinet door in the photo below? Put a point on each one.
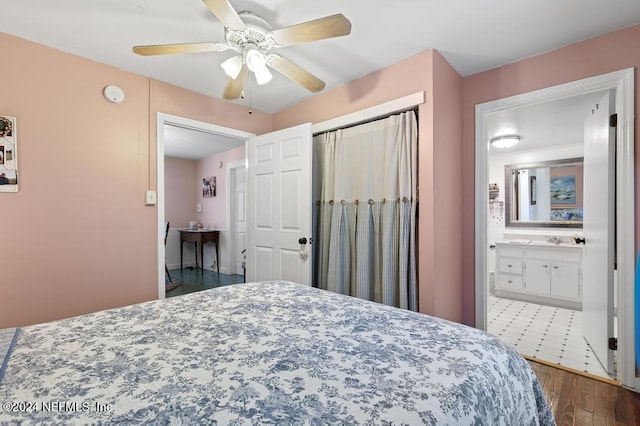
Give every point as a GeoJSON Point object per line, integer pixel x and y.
{"type": "Point", "coordinates": [537, 277]}
{"type": "Point", "coordinates": [565, 280]}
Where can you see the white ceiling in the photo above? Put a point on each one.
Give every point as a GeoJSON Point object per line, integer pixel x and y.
{"type": "Point", "coordinates": [547, 124]}
{"type": "Point", "coordinates": [472, 35]}
{"type": "Point", "coordinates": [193, 144]}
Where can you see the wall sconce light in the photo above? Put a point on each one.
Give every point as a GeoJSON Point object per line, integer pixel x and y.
{"type": "Point", "coordinates": [505, 141]}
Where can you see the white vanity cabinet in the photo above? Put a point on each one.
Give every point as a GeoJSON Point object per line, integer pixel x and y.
{"type": "Point", "coordinates": [539, 272]}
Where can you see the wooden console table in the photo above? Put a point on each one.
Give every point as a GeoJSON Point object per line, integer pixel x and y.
{"type": "Point", "coordinates": [199, 237]}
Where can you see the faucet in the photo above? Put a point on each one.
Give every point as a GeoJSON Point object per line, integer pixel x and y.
{"type": "Point", "coordinates": [554, 239]}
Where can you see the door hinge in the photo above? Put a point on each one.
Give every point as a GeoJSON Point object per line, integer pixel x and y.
{"type": "Point", "coordinates": [613, 120]}
{"type": "Point", "coordinates": [613, 343]}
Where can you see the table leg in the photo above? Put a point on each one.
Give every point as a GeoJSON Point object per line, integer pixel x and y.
{"type": "Point", "coordinates": [217, 261]}
{"type": "Point", "coordinates": [202, 258]}
{"type": "Point", "coordinates": [195, 251]}
{"type": "Point", "coordinates": [181, 250]}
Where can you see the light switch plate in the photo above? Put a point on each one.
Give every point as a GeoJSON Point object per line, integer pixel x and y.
{"type": "Point", "coordinates": [150, 198]}
{"type": "Point", "coordinates": [198, 208]}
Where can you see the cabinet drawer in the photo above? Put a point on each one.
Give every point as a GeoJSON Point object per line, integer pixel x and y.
{"type": "Point", "coordinates": [510, 282]}
{"type": "Point", "coordinates": [551, 253]}
{"type": "Point", "coordinates": [512, 266]}
{"type": "Point", "coordinates": [508, 250]}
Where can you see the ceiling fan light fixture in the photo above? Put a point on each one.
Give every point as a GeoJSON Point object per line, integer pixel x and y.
{"type": "Point", "coordinates": [263, 76]}
{"type": "Point", "coordinates": [255, 60]}
{"type": "Point", "coordinates": [506, 141]}
{"type": "Point", "coordinates": [232, 66]}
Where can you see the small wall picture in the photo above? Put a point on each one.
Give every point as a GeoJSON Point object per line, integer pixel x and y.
{"type": "Point", "coordinates": [209, 187]}
{"type": "Point", "coordinates": [563, 190]}
{"type": "Point", "coordinates": [6, 126]}
{"type": "Point", "coordinates": [8, 155]}
{"type": "Point", "coordinates": [8, 177]}
{"type": "Point", "coordinates": [533, 190]}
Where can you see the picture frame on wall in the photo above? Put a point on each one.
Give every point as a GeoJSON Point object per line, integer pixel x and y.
{"type": "Point", "coordinates": [8, 154]}
{"type": "Point", "coordinates": [209, 187]}
{"type": "Point", "coordinates": [563, 189]}
{"type": "Point", "coordinates": [532, 190]}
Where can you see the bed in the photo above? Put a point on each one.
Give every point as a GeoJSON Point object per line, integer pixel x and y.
{"type": "Point", "coordinates": [264, 353]}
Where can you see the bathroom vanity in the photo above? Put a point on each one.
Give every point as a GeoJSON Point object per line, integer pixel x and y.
{"type": "Point", "coordinates": [539, 272]}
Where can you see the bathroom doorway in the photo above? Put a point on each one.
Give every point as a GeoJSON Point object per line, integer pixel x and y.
{"type": "Point", "coordinates": [524, 313]}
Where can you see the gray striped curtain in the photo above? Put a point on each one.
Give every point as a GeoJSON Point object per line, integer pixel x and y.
{"type": "Point", "coordinates": [365, 231]}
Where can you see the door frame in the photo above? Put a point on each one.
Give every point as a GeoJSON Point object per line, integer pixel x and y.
{"type": "Point", "coordinates": [176, 120]}
{"type": "Point", "coordinates": [623, 84]}
{"type": "Point", "coordinates": [231, 207]}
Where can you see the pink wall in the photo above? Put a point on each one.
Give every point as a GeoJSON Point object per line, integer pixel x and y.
{"type": "Point", "coordinates": [180, 191]}
{"type": "Point", "coordinates": [78, 237]}
{"type": "Point", "coordinates": [214, 208]}
{"type": "Point", "coordinates": [607, 53]}
{"type": "Point", "coordinates": [439, 150]}
{"type": "Point", "coordinates": [447, 199]}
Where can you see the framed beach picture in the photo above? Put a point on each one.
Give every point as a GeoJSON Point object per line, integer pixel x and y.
{"type": "Point", "coordinates": [8, 154]}
{"type": "Point", "coordinates": [563, 190]}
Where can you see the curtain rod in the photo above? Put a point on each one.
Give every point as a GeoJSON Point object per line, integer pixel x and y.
{"type": "Point", "coordinates": [373, 113]}
{"type": "Point", "coordinates": [359, 123]}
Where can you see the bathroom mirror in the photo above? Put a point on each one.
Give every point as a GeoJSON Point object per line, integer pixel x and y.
{"type": "Point", "coordinates": [545, 194]}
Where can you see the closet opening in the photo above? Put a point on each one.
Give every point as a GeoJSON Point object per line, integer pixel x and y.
{"type": "Point", "coordinates": [365, 214]}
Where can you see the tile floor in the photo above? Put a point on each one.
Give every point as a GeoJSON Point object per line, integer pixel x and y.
{"type": "Point", "coordinates": [194, 280]}
{"type": "Point", "coordinates": [545, 332]}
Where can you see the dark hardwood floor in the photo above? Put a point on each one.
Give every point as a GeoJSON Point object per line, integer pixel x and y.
{"type": "Point", "coordinates": [189, 280]}
{"type": "Point", "coordinates": [579, 400]}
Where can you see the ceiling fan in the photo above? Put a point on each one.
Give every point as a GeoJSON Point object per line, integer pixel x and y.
{"type": "Point", "coordinates": [252, 37]}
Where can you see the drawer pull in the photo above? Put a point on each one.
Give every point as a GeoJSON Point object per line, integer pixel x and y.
{"type": "Point", "coordinates": [555, 266]}
{"type": "Point", "coordinates": [545, 266]}
{"type": "Point", "coordinates": [509, 266]}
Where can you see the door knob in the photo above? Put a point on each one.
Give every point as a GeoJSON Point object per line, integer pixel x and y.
{"type": "Point", "coordinates": [302, 241]}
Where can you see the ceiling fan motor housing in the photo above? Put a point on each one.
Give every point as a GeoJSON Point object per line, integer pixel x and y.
{"type": "Point", "coordinates": [255, 33]}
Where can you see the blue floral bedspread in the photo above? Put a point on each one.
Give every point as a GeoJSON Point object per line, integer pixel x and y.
{"type": "Point", "coordinates": [266, 353]}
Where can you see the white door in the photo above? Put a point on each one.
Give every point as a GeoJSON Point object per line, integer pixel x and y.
{"type": "Point", "coordinates": [240, 215]}
{"type": "Point", "coordinates": [599, 203]}
{"type": "Point", "coordinates": [279, 206]}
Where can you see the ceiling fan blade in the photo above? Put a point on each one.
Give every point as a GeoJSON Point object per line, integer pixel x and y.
{"type": "Point", "coordinates": [295, 73]}
{"type": "Point", "coordinates": [318, 29]}
{"type": "Point", "coordinates": [166, 49]}
{"type": "Point", "coordinates": [225, 14]}
{"type": "Point", "coordinates": [233, 90]}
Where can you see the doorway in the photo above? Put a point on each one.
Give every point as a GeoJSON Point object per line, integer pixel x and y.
{"type": "Point", "coordinates": [622, 83]}
{"type": "Point", "coordinates": [237, 215]}
{"type": "Point", "coordinates": [163, 122]}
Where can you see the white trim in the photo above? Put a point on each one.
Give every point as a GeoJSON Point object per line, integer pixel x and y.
{"type": "Point", "coordinates": [232, 227]}
{"type": "Point", "coordinates": [175, 120]}
{"type": "Point", "coordinates": [625, 220]}
{"type": "Point", "coordinates": [367, 114]}
{"type": "Point", "coordinates": [623, 83]}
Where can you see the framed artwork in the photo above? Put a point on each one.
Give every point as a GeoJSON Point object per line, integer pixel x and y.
{"type": "Point", "coordinates": [8, 155]}
{"type": "Point", "coordinates": [532, 190]}
{"type": "Point", "coordinates": [209, 187]}
{"type": "Point", "coordinates": [563, 190]}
